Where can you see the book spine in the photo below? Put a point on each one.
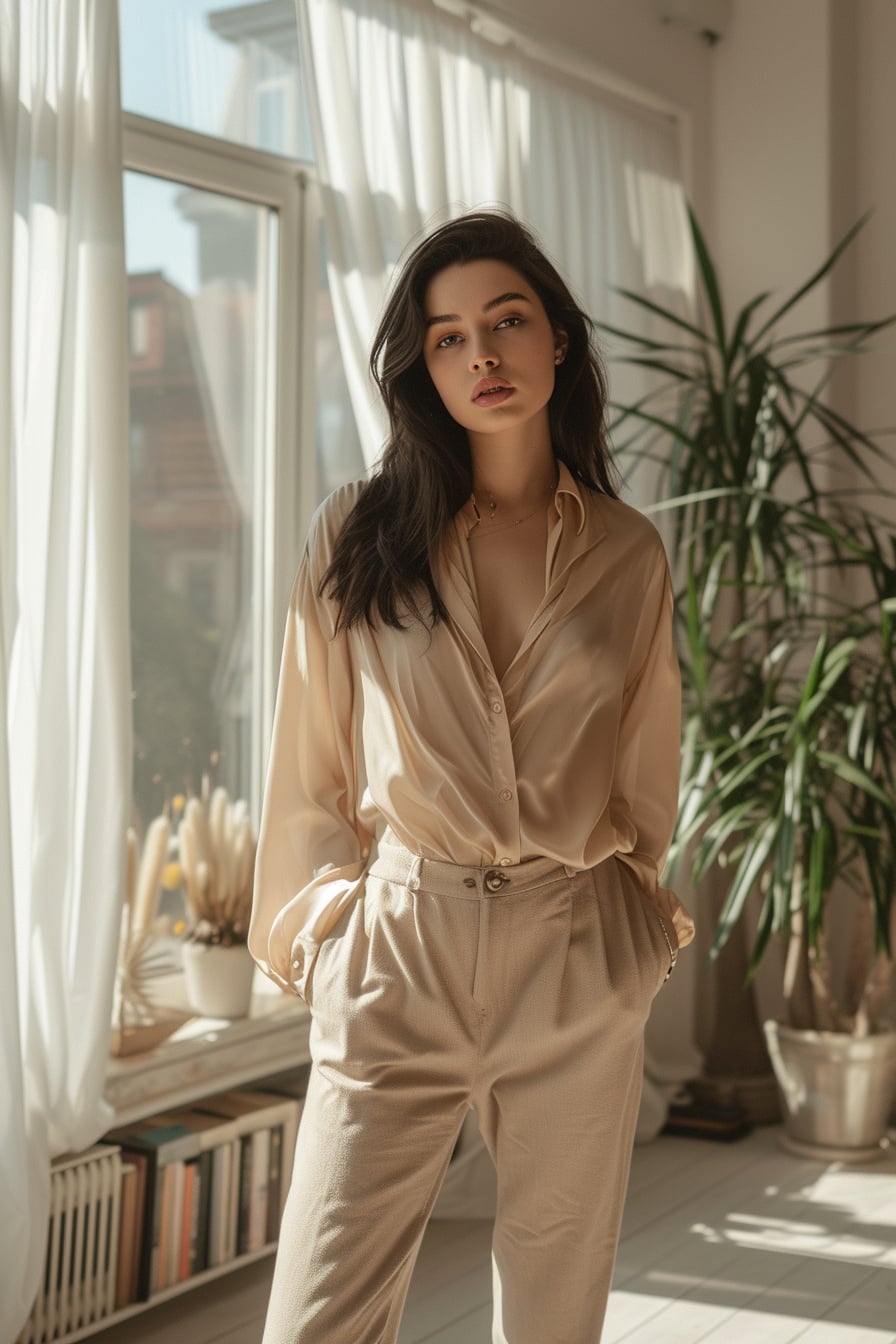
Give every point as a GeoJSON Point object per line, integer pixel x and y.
{"type": "Point", "coordinates": [219, 1203]}
{"type": "Point", "coordinates": [233, 1209]}
{"type": "Point", "coordinates": [127, 1236]}
{"type": "Point", "coordinates": [187, 1236]}
{"type": "Point", "coordinates": [141, 1234]}
{"type": "Point", "coordinates": [204, 1174]}
{"type": "Point", "coordinates": [275, 1176]}
{"type": "Point", "coordinates": [258, 1198]}
{"type": "Point", "coordinates": [175, 1216]}
{"type": "Point", "coordinates": [244, 1198]}
{"type": "Point", "coordinates": [160, 1228]}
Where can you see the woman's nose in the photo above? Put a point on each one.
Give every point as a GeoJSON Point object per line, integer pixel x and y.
{"type": "Point", "coordinates": [483, 360]}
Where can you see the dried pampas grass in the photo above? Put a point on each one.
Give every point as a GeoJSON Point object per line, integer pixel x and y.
{"type": "Point", "coordinates": [217, 857]}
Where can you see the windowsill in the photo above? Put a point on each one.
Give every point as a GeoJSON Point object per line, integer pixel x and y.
{"type": "Point", "coordinates": [209, 1054]}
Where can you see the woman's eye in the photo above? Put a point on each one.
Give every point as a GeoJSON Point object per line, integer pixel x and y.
{"type": "Point", "coordinates": [509, 322]}
{"type": "Point", "coordinates": [446, 342]}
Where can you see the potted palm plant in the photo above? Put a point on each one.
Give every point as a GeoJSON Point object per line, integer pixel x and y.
{"type": "Point", "coordinates": [786, 588]}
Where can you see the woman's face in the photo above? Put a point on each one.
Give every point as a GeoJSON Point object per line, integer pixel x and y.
{"type": "Point", "coordinates": [489, 347]}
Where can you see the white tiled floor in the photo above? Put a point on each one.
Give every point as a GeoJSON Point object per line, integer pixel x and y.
{"type": "Point", "coordinates": [728, 1244]}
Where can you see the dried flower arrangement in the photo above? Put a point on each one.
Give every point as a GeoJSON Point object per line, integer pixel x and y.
{"type": "Point", "coordinates": [217, 858]}
{"type": "Point", "coordinates": [138, 1021]}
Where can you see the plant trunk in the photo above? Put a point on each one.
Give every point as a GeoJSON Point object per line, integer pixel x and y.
{"type": "Point", "coordinates": [736, 1065]}
{"type": "Point", "coordinates": [797, 980]}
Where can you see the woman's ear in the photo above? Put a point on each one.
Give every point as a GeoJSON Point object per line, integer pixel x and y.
{"type": "Point", "coordinates": [561, 345]}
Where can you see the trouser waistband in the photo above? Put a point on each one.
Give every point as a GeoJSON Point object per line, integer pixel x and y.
{"type": "Point", "coordinates": [395, 863]}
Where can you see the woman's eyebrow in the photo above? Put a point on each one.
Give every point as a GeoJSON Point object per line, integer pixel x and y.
{"type": "Point", "coordinates": [511, 295]}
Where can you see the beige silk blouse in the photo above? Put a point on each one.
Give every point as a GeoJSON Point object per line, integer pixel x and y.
{"type": "Point", "coordinates": [573, 754]}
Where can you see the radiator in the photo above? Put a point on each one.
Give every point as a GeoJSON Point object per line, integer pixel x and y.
{"type": "Point", "coordinates": [78, 1286]}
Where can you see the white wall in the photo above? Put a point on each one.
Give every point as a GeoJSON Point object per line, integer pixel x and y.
{"type": "Point", "coordinates": [770, 165]}
{"type": "Point", "coordinates": [803, 111]}
{"type": "Point", "coordinates": [875, 186]}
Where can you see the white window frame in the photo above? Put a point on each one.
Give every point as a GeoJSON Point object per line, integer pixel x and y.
{"type": "Point", "coordinates": [286, 461]}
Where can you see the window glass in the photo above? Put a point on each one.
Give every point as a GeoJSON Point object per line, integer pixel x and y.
{"type": "Point", "coordinates": [227, 68]}
{"type": "Point", "coordinates": [198, 291]}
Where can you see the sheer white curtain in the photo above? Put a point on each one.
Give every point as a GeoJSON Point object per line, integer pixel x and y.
{"type": "Point", "coordinates": [415, 119]}
{"type": "Point", "coordinates": [65, 759]}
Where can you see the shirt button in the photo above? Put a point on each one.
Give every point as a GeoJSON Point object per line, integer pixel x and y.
{"type": "Point", "coordinates": [505, 795]}
{"type": "Point", "coordinates": [296, 965]}
{"type": "Point", "coordinates": [497, 707]}
{"type": "Point", "coordinates": [505, 863]}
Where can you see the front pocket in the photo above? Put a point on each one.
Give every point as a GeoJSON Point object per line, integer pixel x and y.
{"type": "Point", "coordinates": [661, 935]}
{"type": "Point", "coordinates": [327, 955]}
{"type": "Point", "coordinates": [667, 950]}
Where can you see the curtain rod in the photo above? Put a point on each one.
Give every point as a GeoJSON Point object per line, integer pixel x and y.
{"type": "Point", "coordinates": [504, 30]}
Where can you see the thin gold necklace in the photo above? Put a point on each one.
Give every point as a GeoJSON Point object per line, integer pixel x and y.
{"type": "Point", "coordinates": [493, 506]}
{"type": "Point", "coordinates": [491, 531]}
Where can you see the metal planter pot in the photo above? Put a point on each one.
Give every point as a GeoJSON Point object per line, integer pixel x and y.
{"type": "Point", "coordinates": [836, 1091]}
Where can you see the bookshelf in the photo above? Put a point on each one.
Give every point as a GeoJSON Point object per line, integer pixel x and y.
{"type": "Point", "coordinates": [204, 1058]}
{"type": "Point", "coordinates": [210, 1055]}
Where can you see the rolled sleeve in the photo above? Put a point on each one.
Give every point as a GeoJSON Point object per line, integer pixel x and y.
{"type": "Point", "coordinates": [312, 847]}
{"type": "Point", "coordinates": [645, 785]}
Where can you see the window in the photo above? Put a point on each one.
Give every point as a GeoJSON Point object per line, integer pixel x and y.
{"type": "Point", "coordinates": [230, 69]}
{"type": "Point", "coordinates": [197, 260]}
{"type": "Point", "coordinates": [238, 425]}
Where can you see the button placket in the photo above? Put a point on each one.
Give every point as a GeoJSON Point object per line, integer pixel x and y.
{"type": "Point", "coordinates": [503, 774]}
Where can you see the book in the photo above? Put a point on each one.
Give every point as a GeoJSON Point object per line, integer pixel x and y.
{"type": "Point", "coordinates": [165, 1142]}
{"type": "Point", "coordinates": [178, 1173]}
{"type": "Point", "coordinates": [187, 1239]}
{"type": "Point", "coordinates": [259, 1180]}
{"type": "Point", "coordinates": [128, 1236]}
{"type": "Point", "coordinates": [223, 1159]}
{"type": "Point", "coordinates": [275, 1177]}
{"type": "Point", "coordinates": [231, 1223]}
{"type": "Point", "coordinates": [161, 1227]}
{"type": "Point", "coordinates": [244, 1186]}
{"type": "Point", "coordinates": [199, 1233]}
{"type": "Point", "coordinates": [294, 1085]}
{"type": "Point", "coordinates": [140, 1161]}
{"type": "Point", "coordinates": [216, 1131]}
{"type": "Point", "coordinates": [246, 1112]}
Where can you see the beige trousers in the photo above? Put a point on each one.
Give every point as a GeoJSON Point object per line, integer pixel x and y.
{"type": "Point", "coordinates": [520, 991]}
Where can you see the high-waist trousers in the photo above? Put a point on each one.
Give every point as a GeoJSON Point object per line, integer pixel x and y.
{"type": "Point", "coordinates": [521, 991]}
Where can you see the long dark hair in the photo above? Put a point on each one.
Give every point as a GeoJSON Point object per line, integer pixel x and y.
{"type": "Point", "coordinates": [382, 560]}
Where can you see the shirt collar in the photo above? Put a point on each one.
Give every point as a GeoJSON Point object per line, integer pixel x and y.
{"type": "Point", "coordinates": [566, 486]}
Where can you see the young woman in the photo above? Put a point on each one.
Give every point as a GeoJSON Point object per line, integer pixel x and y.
{"type": "Point", "coordinates": [471, 791]}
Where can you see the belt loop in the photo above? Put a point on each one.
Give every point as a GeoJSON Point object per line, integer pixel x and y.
{"type": "Point", "coordinates": [571, 872]}
{"type": "Point", "coordinates": [413, 879]}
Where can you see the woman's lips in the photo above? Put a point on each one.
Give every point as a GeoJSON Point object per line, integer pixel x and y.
{"type": "Point", "coordinates": [493, 396]}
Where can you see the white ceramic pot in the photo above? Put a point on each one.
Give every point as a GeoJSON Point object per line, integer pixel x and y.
{"type": "Point", "coordinates": [836, 1090]}
{"type": "Point", "coordinates": [218, 979]}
